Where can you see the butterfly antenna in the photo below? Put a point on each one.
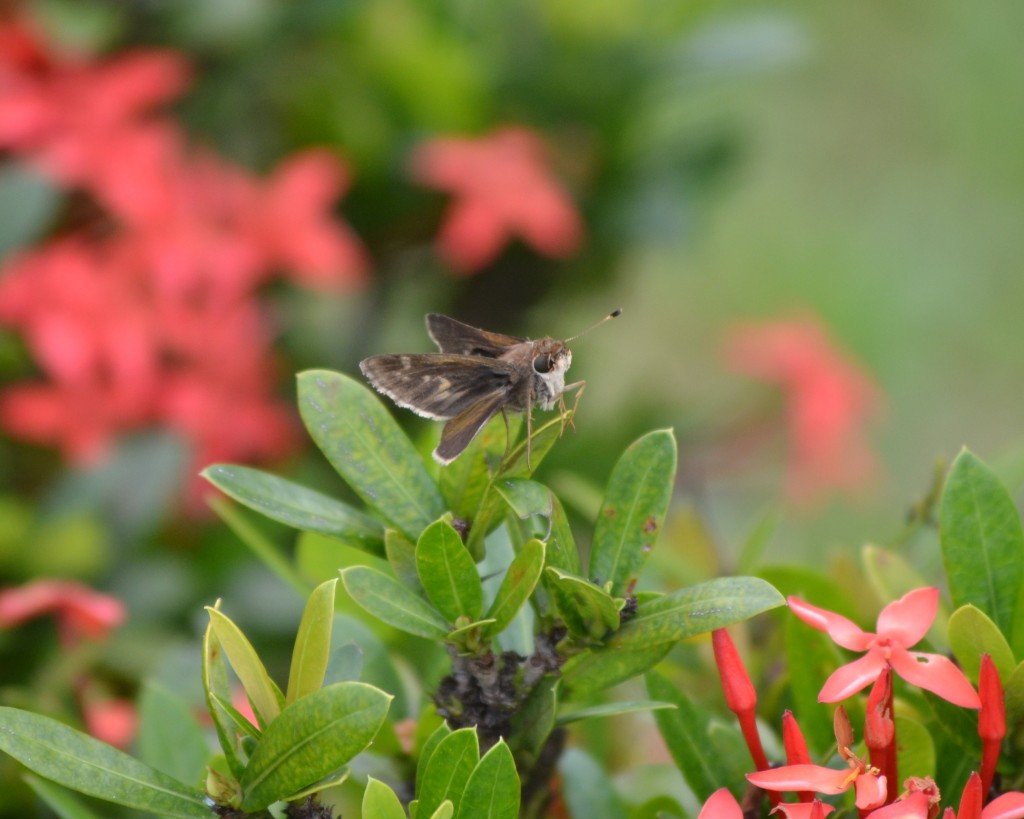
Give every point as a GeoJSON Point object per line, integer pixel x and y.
{"type": "Point", "coordinates": [613, 314]}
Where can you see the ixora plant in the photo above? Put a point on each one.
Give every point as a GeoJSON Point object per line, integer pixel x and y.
{"type": "Point", "coordinates": [469, 575]}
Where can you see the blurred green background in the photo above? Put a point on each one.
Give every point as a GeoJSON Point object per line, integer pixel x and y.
{"type": "Point", "coordinates": [860, 163]}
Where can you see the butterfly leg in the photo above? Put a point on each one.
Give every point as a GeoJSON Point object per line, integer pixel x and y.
{"type": "Point", "coordinates": [578, 386]}
{"type": "Point", "coordinates": [508, 435]}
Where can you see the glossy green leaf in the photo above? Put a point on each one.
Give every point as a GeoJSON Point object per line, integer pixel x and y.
{"type": "Point", "coordinates": [582, 604]}
{"type": "Point", "coordinates": [685, 731]}
{"type": "Point", "coordinates": [706, 606]}
{"type": "Point", "coordinates": [611, 709]}
{"type": "Point", "coordinates": [633, 510]}
{"type": "Point", "coordinates": [296, 505]}
{"type": "Point", "coordinates": [983, 545]}
{"type": "Point", "coordinates": [380, 802]}
{"type": "Point", "coordinates": [169, 737]}
{"type": "Point", "coordinates": [60, 800]}
{"type": "Point", "coordinates": [594, 671]}
{"type": "Point", "coordinates": [971, 634]}
{"type": "Point", "coordinates": [312, 650]}
{"type": "Point", "coordinates": [492, 791]}
{"type": "Point", "coordinates": [80, 762]}
{"type": "Point", "coordinates": [272, 557]}
{"type": "Point", "coordinates": [915, 749]}
{"type": "Point", "coordinates": [217, 688]}
{"type": "Point", "coordinates": [428, 749]}
{"type": "Point", "coordinates": [1013, 693]}
{"type": "Point", "coordinates": [448, 770]}
{"type": "Point", "coordinates": [517, 465]}
{"type": "Point", "coordinates": [448, 573]}
{"type": "Point", "coordinates": [332, 781]}
{"type": "Point", "coordinates": [401, 555]}
{"type": "Point", "coordinates": [366, 446]}
{"type": "Point", "coordinates": [310, 739]}
{"type": "Point", "coordinates": [264, 694]}
{"type": "Point", "coordinates": [444, 811]}
{"type": "Point", "coordinates": [587, 787]}
{"type": "Point", "coordinates": [388, 600]}
{"type": "Point", "coordinates": [516, 586]}
{"type": "Point", "coordinates": [527, 498]}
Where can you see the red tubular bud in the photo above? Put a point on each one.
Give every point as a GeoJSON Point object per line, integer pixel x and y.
{"type": "Point", "coordinates": [991, 720]}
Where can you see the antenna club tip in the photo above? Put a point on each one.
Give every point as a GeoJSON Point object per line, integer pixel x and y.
{"type": "Point", "coordinates": [615, 313]}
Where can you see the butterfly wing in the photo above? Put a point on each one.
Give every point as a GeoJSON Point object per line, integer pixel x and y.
{"type": "Point", "coordinates": [463, 428]}
{"type": "Point", "coordinates": [453, 336]}
{"type": "Point", "coordinates": [437, 385]}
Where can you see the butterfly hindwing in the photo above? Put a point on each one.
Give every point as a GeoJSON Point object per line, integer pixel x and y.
{"type": "Point", "coordinates": [463, 428]}
{"type": "Point", "coordinates": [453, 336]}
{"type": "Point", "coordinates": [438, 385]}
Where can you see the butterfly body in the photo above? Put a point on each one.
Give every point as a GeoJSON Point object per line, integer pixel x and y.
{"type": "Point", "coordinates": [475, 375]}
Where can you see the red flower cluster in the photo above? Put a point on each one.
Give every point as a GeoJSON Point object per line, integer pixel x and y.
{"type": "Point", "coordinates": [147, 313]}
{"type": "Point", "coordinates": [828, 400]}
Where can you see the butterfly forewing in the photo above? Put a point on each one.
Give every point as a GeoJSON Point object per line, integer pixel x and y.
{"type": "Point", "coordinates": [463, 428]}
{"type": "Point", "coordinates": [453, 336]}
{"type": "Point", "coordinates": [436, 385]}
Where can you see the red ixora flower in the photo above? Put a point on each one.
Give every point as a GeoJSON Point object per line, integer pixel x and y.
{"type": "Point", "coordinates": [503, 188]}
{"type": "Point", "coordinates": [828, 400]}
{"type": "Point", "coordinates": [901, 624]}
{"type": "Point", "coordinates": [80, 611]}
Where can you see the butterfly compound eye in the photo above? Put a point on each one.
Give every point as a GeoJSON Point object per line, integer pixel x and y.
{"type": "Point", "coordinates": [542, 363]}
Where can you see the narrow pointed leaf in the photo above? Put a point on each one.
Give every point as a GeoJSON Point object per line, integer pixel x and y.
{"type": "Point", "coordinates": [633, 510]}
{"type": "Point", "coordinates": [169, 738]}
{"type": "Point", "coordinates": [448, 770]}
{"type": "Point", "coordinates": [448, 573]}
{"type": "Point", "coordinates": [983, 545]}
{"type": "Point", "coordinates": [80, 762]}
{"type": "Point", "coordinates": [296, 505]}
{"type": "Point", "coordinates": [544, 438]}
{"type": "Point", "coordinates": [516, 587]}
{"type": "Point", "coordinates": [588, 674]}
{"type": "Point", "coordinates": [581, 602]}
{"type": "Point", "coordinates": [364, 443]}
{"type": "Point", "coordinates": [493, 788]}
{"type": "Point", "coordinates": [310, 739]}
{"type": "Point", "coordinates": [401, 555]}
{"type": "Point", "coordinates": [686, 733]}
{"type": "Point", "coordinates": [312, 651]}
{"type": "Point", "coordinates": [612, 709]}
{"type": "Point", "coordinates": [388, 600]}
{"type": "Point", "coordinates": [428, 749]}
{"type": "Point", "coordinates": [264, 694]}
{"type": "Point", "coordinates": [380, 802]}
{"type": "Point", "coordinates": [216, 686]}
{"type": "Point", "coordinates": [527, 498]}
{"type": "Point", "coordinates": [696, 609]}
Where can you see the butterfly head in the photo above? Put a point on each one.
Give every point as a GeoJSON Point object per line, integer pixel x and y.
{"type": "Point", "coordinates": [551, 359]}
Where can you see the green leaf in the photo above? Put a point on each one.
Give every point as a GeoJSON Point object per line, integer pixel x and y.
{"type": "Point", "coordinates": [971, 634]}
{"type": "Point", "coordinates": [464, 481]}
{"type": "Point", "coordinates": [59, 800]}
{"type": "Point", "coordinates": [611, 709]}
{"type": "Point", "coordinates": [448, 770]}
{"type": "Point", "coordinates": [587, 610]}
{"type": "Point", "coordinates": [810, 656]}
{"type": "Point", "coordinates": [1013, 693]}
{"type": "Point", "coordinates": [81, 763]}
{"type": "Point", "coordinates": [366, 446]}
{"type": "Point", "coordinates": [704, 607]}
{"type": "Point", "coordinates": [258, 544]}
{"type": "Point", "coordinates": [492, 791]}
{"type": "Point", "coordinates": [311, 739]}
{"type": "Point", "coordinates": [587, 787]}
{"type": "Point", "coordinates": [983, 545]}
{"type": "Point", "coordinates": [534, 721]}
{"type": "Point", "coordinates": [390, 601]}
{"type": "Point", "coordinates": [170, 739]}
{"type": "Point", "coordinates": [29, 201]}
{"type": "Point", "coordinates": [380, 802]}
{"type": "Point", "coordinates": [401, 554]}
{"type": "Point", "coordinates": [296, 506]}
{"type": "Point", "coordinates": [686, 734]}
{"type": "Point", "coordinates": [527, 498]}
{"type": "Point", "coordinates": [544, 437]}
{"type": "Point", "coordinates": [312, 651]}
{"type": "Point", "coordinates": [264, 694]}
{"type": "Point", "coordinates": [217, 688]}
{"type": "Point", "coordinates": [428, 749]}
{"type": "Point", "coordinates": [915, 749]}
{"type": "Point", "coordinates": [444, 811]}
{"type": "Point", "coordinates": [594, 671]}
{"type": "Point", "coordinates": [516, 587]}
{"type": "Point", "coordinates": [448, 573]}
{"type": "Point", "coordinates": [633, 510]}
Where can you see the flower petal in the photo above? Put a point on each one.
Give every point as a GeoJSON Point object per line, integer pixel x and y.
{"type": "Point", "coordinates": [871, 791]}
{"type": "Point", "coordinates": [721, 805]}
{"type": "Point", "coordinates": [934, 673]}
{"type": "Point", "coordinates": [1007, 806]}
{"type": "Point", "coordinates": [907, 620]}
{"type": "Point", "coordinates": [803, 810]}
{"type": "Point", "coordinates": [848, 679]}
{"type": "Point", "coordinates": [844, 632]}
{"type": "Point", "coordinates": [914, 806]}
{"type": "Point", "coordinates": [803, 778]}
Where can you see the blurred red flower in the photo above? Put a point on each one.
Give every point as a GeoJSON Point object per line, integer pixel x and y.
{"type": "Point", "coordinates": [80, 611]}
{"type": "Point", "coordinates": [828, 402]}
{"type": "Point", "coordinates": [114, 721]}
{"type": "Point", "coordinates": [503, 188]}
